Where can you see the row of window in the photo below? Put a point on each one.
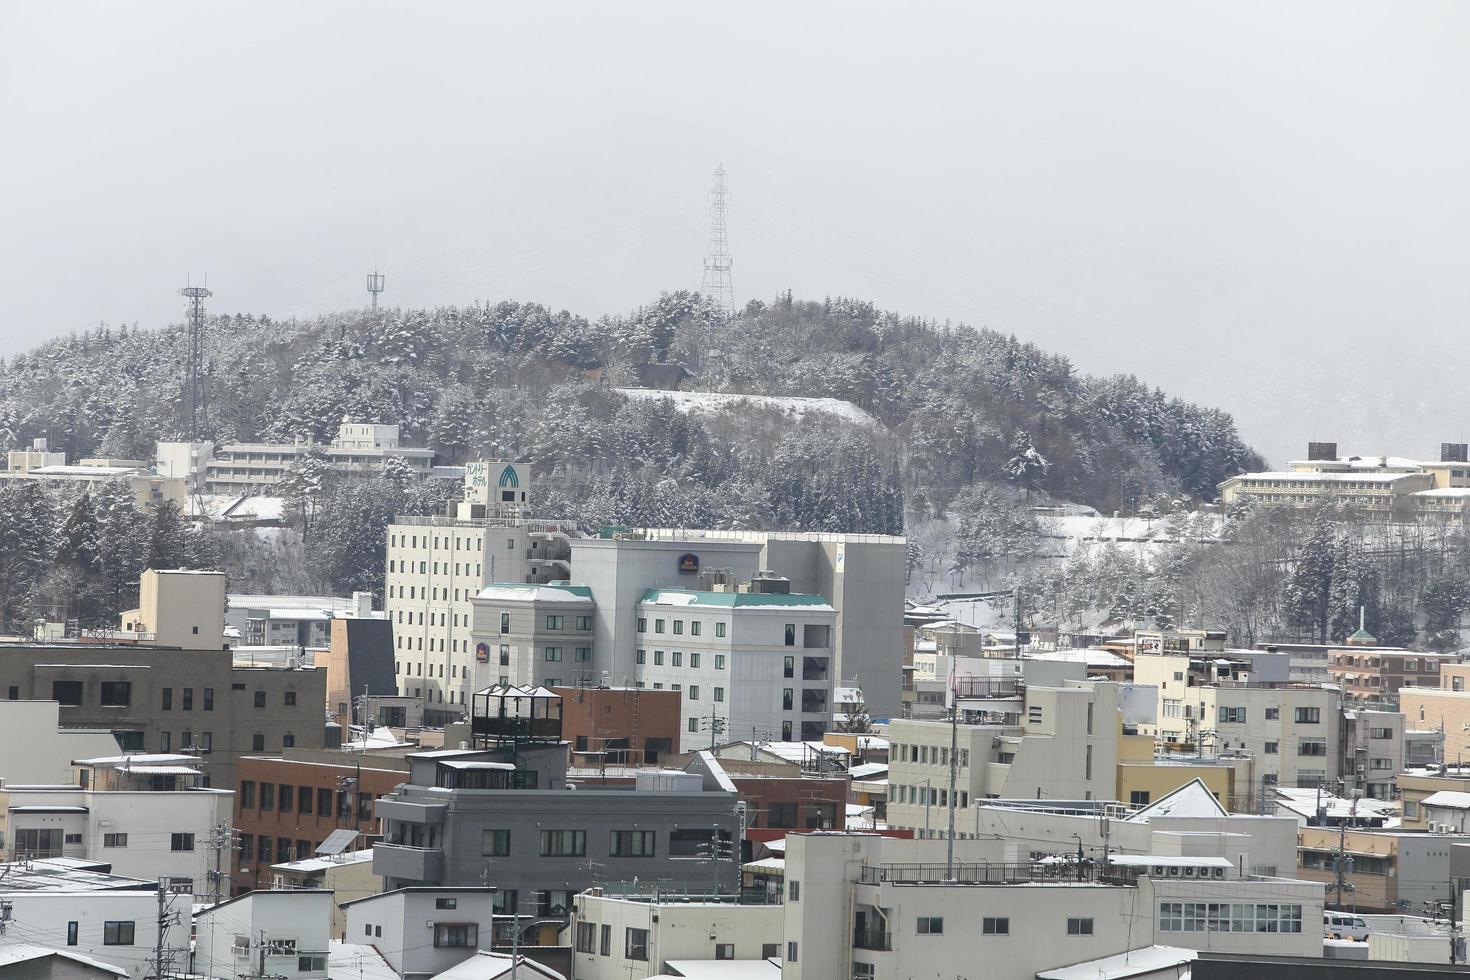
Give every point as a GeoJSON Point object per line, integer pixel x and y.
{"type": "Point", "coordinates": [472, 543]}
{"type": "Point", "coordinates": [407, 567]}
{"type": "Point", "coordinates": [676, 659]}
{"type": "Point", "coordinates": [683, 842]}
{"type": "Point", "coordinates": [595, 938]}
{"type": "Point", "coordinates": [432, 593]}
{"type": "Point", "coordinates": [1229, 917]}
{"type": "Point", "coordinates": [186, 698]}
{"type": "Point", "coordinates": [285, 798]}
{"type": "Point", "coordinates": [927, 796]}
{"type": "Point", "coordinates": [937, 755]}
{"type": "Point", "coordinates": [696, 627]}
{"type": "Point", "coordinates": [119, 694]}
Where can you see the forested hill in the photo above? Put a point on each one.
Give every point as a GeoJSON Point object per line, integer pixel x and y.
{"type": "Point", "coordinates": [516, 380]}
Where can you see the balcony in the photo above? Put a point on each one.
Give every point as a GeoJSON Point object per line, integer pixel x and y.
{"type": "Point", "coordinates": [872, 939]}
{"type": "Point", "coordinates": [405, 863]}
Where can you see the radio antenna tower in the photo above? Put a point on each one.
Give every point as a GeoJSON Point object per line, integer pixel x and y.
{"type": "Point", "coordinates": [717, 285]}
{"type": "Point", "coordinates": [194, 396]}
{"type": "Point", "coordinates": [376, 282]}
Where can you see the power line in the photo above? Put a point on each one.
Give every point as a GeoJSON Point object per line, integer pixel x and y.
{"type": "Point", "coordinates": [717, 285]}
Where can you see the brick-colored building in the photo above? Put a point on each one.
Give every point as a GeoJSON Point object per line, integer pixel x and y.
{"type": "Point", "coordinates": [1377, 673]}
{"type": "Point", "coordinates": [286, 805]}
{"type": "Point", "coordinates": [634, 726]}
{"type": "Point", "coordinates": [1443, 706]}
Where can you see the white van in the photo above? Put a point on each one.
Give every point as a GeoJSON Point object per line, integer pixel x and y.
{"type": "Point", "coordinates": [1341, 925]}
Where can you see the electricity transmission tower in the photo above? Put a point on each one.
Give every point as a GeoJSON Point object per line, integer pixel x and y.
{"type": "Point", "coordinates": [194, 396]}
{"type": "Point", "coordinates": [717, 285]}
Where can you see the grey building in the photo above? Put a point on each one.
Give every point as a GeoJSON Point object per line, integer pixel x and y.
{"type": "Point", "coordinates": [170, 700]}
{"type": "Point", "coordinates": [502, 815]}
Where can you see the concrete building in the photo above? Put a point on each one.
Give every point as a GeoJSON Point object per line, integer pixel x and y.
{"type": "Point", "coordinates": [146, 816]}
{"type": "Point", "coordinates": [1389, 868]}
{"type": "Point", "coordinates": [34, 748]}
{"type": "Point", "coordinates": [164, 700]}
{"type": "Point", "coordinates": [503, 815]}
{"type": "Point", "coordinates": [621, 931]}
{"type": "Point", "coordinates": [422, 932]}
{"type": "Point", "coordinates": [1417, 785]}
{"type": "Point", "coordinates": [179, 609]}
{"type": "Point", "coordinates": [620, 726]}
{"type": "Point", "coordinates": [869, 906]}
{"type": "Point", "coordinates": [1373, 750]}
{"type": "Point", "coordinates": [360, 451]}
{"type": "Point", "coordinates": [280, 934]}
{"type": "Point", "coordinates": [1374, 673]}
{"type": "Point", "coordinates": [436, 567]}
{"type": "Point", "coordinates": [292, 620]}
{"type": "Point", "coordinates": [288, 805]}
{"type": "Point", "coordinates": [1380, 487]}
{"type": "Point", "coordinates": [348, 876]}
{"type": "Point", "coordinates": [39, 463]}
{"type": "Point", "coordinates": [75, 907]}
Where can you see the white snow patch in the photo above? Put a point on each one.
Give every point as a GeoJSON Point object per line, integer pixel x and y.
{"type": "Point", "coordinates": [792, 406]}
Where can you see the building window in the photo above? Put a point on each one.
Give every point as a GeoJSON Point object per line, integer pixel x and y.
{"type": "Point", "coordinates": [584, 623]}
{"type": "Point", "coordinates": [995, 926]}
{"type": "Point", "coordinates": [658, 658]}
{"type": "Point", "coordinates": [181, 842]}
{"type": "Point", "coordinates": [505, 655]}
{"type": "Point", "coordinates": [1312, 746]}
{"type": "Point", "coordinates": [1273, 714]}
{"type": "Point", "coordinates": [931, 925]}
{"type": "Point", "coordinates": [678, 627]}
{"type": "Point", "coordinates": [694, 724]}
{"type": "Point", "coordinates": [793, 891]}
{"type": "Point", "coordinates": [604, 940]}
{"type": "Point", "coordinates": [563, 843]}
{"type": "Point", "coordinates": [1273, 748]}
{"type": "Point", "coordinates": [290, 699]}
{"type": "Point", "coordinates": [504, 623]}
{"type": "Point", "coordinates": [1079, 927]}
{"type": "Point", "coordinates": [494, 843]}
{"type": "Point", "coordinates": [724, 951]}
{"type": "Point", "coordinates": [311, 964]}
{"type": "Point", "coordinates": [117, 933]}
{"type": "Point", "coordinates": [446, 903]}
{"type": "Point", "coordinates": [247, 794]}
{"type": "Point", "coordinates": [260, 699]}
{"type": "Point", "coordinates": [677, 659]}
{"type": "Point", "coordinates": [553, 654]}
{"type": "Point", "coordinates": [455, 934]}
{"type": "Point", "coordinates": [71, 933]}
{"type": "Point", "coordinates": [632, 843]}
{"type": "Point", "coordinates": [788, 698]}
{"type": "Point", "coordinates": [719, 661]}
{"type": "Point", "coordinates": [1138, 797]}
{"type": "Point", "coordinates": [584, 654]}
{"type": "Point", "coordinates": [719, 629]}
{"type": "Point", "coordinates": [554, 622]}
{"type": "Point", "coordinates": [788, 668]}
{"type": "Point", "coordinates": [257, 742]}
{"type": "Point", "coordinates": [1308, 716]}
{"type": "Point", "coordinates": [635, 944]}
{"type": "Point", "coordinates": [719, 694]}
{"type": "Point", "coordinates": [114, 840]}
{"type": "Point", "coordinates": [1232, 716]}
{"type": "Point", "coordinates": [694, 692]}
{"type": "Point", "coordinates": [642, 625]}
{"type": "Point", "coordinates": [658, 625]}
{"type": "Point", "coordinates": [188, 699]}
{"type": "Point", "coordinates": [643, 656]}
{"type": "Point", "coordinates": [791, 634]}
{"type": "Point", "coordinates": [116, 694]}
{"type": "Point", "coordinates": [586, 937]}
{"type": "Point", "coordinates": [791, 951]}
{"type": "Point", "coordinates": [168, 699]}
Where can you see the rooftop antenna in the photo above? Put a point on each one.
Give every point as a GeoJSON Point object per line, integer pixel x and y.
{"type": "Point", "coordinates": [376, 282]}
{"type": "Point", "coordinates": [194, 394]}
{"type": "Point", "coordinates": [717, 285]}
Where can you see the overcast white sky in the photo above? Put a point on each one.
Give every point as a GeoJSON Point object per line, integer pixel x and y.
{"type": "Point", "coordinates": [1184, 190]}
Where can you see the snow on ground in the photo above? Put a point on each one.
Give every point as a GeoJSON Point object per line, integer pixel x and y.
{"type": "Point", "coordinates": [793, 407]}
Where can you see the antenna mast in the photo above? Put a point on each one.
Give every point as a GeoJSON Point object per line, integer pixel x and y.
{"type": "Point", "coordinates": [194, 396]}
{"type": "Point", "coordinates": [376, 282]}
{"type": "Point", "coordinates": [717, 284]}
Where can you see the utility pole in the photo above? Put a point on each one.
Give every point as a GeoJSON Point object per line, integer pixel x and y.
{"type": "Point", "coordinates": [160, 965]}
{"type": "Point", "coordinates": [716, 726]}
{"type": "Point", "coordinates": [194, 396]}
{"type": "Point", "coordinates": [718, 285]}
{"type": "Point", "coordinates": [219, 835]}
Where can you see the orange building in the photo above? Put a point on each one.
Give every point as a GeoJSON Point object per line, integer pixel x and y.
{"type": "Point", "coordinates": [634, 726]}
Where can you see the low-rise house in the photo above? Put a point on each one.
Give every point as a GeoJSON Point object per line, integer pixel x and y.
{"type": "Point", "coordinates": [421, 932]}
{"type": "Point", "coordinates": [278, 934]}
{"type": "Point", "coordinates": [1390, 871]}
{"type": "Point", "coordinates": [348, 876]}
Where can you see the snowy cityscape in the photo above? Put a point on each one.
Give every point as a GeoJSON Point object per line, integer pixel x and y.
{"type": "Point", "coordinates": [426, 554]}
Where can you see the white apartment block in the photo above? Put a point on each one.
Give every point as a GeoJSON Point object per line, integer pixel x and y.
{"type": "Point", "coordinates": [114, 926]}
{"type": "Point", "coordinates": [868, 906]}
{"type": "Point", "coordinates": [144, 815]}
{"type": "Point", "coordinates": [423, 931]}
{"type": "Point", "coordinates": [1064, 746]}
{"type": "Point", "coordinates": [619, 933]}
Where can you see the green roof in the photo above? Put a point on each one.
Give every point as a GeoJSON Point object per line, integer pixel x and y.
{"type": "Point", "coordinates": [690, 597]}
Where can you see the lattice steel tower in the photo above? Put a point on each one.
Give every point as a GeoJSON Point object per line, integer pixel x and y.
{"type": "Point", "coordinates": [375, 284]}
{"type": "Point", "coordinates": [717, 284]}
{"type": "Point", "coordinates": [194, 394]}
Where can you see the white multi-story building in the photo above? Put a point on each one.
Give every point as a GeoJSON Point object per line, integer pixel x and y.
{"type": "Point", "coordinates": [280, 934]}
{"type": "Point", "coordinates": [436, 566]}
{"type": "Point", "coordinates": [144, 815]}
{"type": "Point", "coordinates": [34, 748]}
{"type": "Point", "coordinates": [69, 905]}
{"type": "Point", "coordinates": [869, 906]}
{"type": "Point", "coordinates": [622, 932]}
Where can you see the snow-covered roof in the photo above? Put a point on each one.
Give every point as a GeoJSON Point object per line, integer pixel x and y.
{"type": "Point", "coordinates": [1193, 799]}
{"type": "Point", "coordinates": [358, 961]}
{"type": "Point", "coordinates": [1094, 657]}
{"type": "Point", "coordinates": [1352, 477]}
{"type": "Point", "coordinates": [868, 770]}
{"type": "Point", "coordinates": [766, 865]}
{"type": "Point", "coordinates": [1167, 861]}
{"type": "Point", "coordinates": [743, 600]}
{"type": "Point", "coordinates": [322, 863]}
{"type": "Point", "coordinates": [1458, 493]}
{"type": "Point", "coordinates": [12, 954]}
{"type": "Point", "coordinates": [792, 406]}
{"type": "Point", "coordinates": [1134, 963]}
{"type": "Point", "coordinates": [485, 965]}
{"type": "Point", "coordinates": [517, 592]}
{"type": "Point", "coordinates": [136, 760]}
{"type": "Point", "coordinates": [721, 970]}
{"type": "Point", "coordinates": [1448, 798]}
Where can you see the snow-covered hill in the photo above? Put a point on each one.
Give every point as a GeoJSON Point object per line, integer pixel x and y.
{"type": "Point", "coordinates": [794, 407]}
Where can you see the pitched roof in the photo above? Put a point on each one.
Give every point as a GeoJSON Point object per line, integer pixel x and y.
{"type": "Point", "coordinates": [1193, 799]}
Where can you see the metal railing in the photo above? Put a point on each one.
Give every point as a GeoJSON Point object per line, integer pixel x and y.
{"type": "Point", "coordinates": [873, 939]}
{"type": "Point", "coordinates": [989, 687]}
{"type": "Point", "coordinates": [993, 874]}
